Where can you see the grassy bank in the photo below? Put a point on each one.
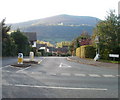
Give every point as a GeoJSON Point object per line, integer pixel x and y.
{"type": "Point", "coordinates": [109, 61]}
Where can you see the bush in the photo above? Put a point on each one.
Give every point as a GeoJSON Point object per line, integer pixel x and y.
{"type": "Point", "coordinates": [38, 54]}
{"type": "Point", "coordinates": [89, 51]}
{"type": "Point", "coordinates": [105, 54]}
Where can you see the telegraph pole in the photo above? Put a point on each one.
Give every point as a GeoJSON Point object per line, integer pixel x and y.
{"type": "Point", "coordinates": [119, 8]}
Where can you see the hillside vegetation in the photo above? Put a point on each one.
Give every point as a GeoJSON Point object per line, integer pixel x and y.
{"type": "Point", "coordinates": [58, 28]}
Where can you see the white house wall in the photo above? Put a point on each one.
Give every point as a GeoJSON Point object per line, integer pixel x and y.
{"type": "Point", "coordinates": [34, 44]}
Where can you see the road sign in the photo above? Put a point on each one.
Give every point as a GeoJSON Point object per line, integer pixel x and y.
{"type": "Point", "coordinates": [96, 39]}
{"type": "Point", "coordinates": [20, 58]}
{"type": "Point", "coordinates": [114, 55]}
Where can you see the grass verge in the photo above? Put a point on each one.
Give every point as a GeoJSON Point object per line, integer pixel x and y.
{"type": "Point", "coordinates": [109, 61]}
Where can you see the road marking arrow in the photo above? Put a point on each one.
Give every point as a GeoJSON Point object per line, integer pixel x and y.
{"type": "Point", "coordinates": [64, 65]}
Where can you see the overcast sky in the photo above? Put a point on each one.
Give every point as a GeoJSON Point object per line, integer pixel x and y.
{"type": "Point", "coordinates": [24, 10]}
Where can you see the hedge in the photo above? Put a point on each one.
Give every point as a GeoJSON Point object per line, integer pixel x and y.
{"type": "Point", "coordinates": [78, 52]}
{"type": "Point", "coordinates": [86, 51]}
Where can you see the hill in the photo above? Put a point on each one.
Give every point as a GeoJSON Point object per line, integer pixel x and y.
{"type": "Point", "coordinates": [59, 28]}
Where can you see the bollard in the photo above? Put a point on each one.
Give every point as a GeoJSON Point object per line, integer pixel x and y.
{"type": "Point", "coordinates": [31, 56]}
{"type": "Point", "coordinates": [97, 57]}
{"type": "Point", "coordinates": [20, 58]}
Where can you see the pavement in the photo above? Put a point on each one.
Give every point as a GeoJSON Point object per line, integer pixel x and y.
{"type": "Point", "coordinates": [92, 62]}
{"type": "Point", "coordinates": [57, 77]}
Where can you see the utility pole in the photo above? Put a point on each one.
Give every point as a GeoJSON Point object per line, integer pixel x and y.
{"type": "Point", "coordinates": [119, 8]}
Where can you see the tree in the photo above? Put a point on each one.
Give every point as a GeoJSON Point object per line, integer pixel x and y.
{"type": "Point", "coordinates": [9, 47]}
{"type": "Point", "coordinates": [22, 42]}
{"type": "Point", "coordinates": [83, 39]}
{"type": "Point", "coordinates": [72, 48]}
{"type": "Point", "coordinates": [108, 30]}
{"type": "Point", "coordinates": [5, 29]}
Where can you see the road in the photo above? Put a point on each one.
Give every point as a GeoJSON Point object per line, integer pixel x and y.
{"type": "Point", "coordinates": [56, 77]}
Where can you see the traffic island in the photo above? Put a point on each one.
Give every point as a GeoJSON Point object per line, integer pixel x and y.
{"type": "Point", "coordinates": [30, 62]}
{"type": "Point", "coordinates": [21, 65]}
{"type": "Point", "coordinates": [26, 63]}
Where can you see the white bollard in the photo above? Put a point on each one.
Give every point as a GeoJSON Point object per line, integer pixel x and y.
{"type": "Point", "coordinates": [31, 56]}
{"type": "Point", "coordinates": [20, 58]}
{"type": "Point", "coordinates": [97, 57]}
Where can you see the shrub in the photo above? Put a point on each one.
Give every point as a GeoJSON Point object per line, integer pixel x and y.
{"type": "Point", "coordinates": [89, 51]}
{"type": "Point", "coordinates": [105, 54]}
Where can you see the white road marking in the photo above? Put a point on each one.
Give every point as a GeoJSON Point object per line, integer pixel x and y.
{"type": "Point", "coordinates": [52, 87]}
{"type": "Point", "coordinates": [64, 65]}
{"type": "Point", "coordinates": [56, 57]}
{"type": "Point", "coordinates": [23, 69]}
{"type": "Point", "coordinates": [118, 75]}
{"type": "Point", "coordinates": [5, 66]}
{"type": "Point", "coordinates": [80, 75]}
{"type": "Point", "coordinates": [60, 65]}
{"type": "Point", "coordinates": [36, 73]}
{"type": "Point", "coordinates": [52, 74]}
{"type": "Point", "coordinates": [39, 61]}
{"type": "Point", "coordinates": [5, 71]}
{"type": "Point", "coordinates": [94, 75]}
{"type": "Point", "coordinates": [65, 74]}
{"type": "Point", "coordinates": [108, 75]}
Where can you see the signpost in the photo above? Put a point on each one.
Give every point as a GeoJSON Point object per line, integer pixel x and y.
{"type": "Point", "coordinates": [98, 50]}
{"type": "Point", "coordinates": [96, 39]}
{"type": "Point", "coordinates": [20, 58]}
{"type": "Point", "coordinates": [114, 56]}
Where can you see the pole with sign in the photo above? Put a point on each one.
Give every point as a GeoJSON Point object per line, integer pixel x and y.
{"type": "Point", "coordinates": [114, 56]}
{"type": "Point", "coordinates": [20, 58]}
{"type": "Point", "coordinates": [98, 50]}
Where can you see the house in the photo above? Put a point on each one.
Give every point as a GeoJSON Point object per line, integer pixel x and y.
{"type": "Point", "coordinates": [42, 48]}
{"type": "Point", "coordinates": [32, 37]}
{"type": "Point", "coordinates": [46, 50]}
{"type": "Point", "coordinates": [63, 50]}
{"type": "Point", "coordinates": [85, 42]}
{"type": "Point", "coordinates": [52, 49]}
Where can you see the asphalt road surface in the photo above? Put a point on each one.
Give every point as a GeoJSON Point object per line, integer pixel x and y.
{"type": "Point", "coordinates": [56, 77]}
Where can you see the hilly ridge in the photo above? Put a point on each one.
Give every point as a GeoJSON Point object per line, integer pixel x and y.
{"type": "Point", "coordinates": [59, 28]}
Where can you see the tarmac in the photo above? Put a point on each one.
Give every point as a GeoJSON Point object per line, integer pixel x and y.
{"type": "Point", "coordinates": [92, 62]}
